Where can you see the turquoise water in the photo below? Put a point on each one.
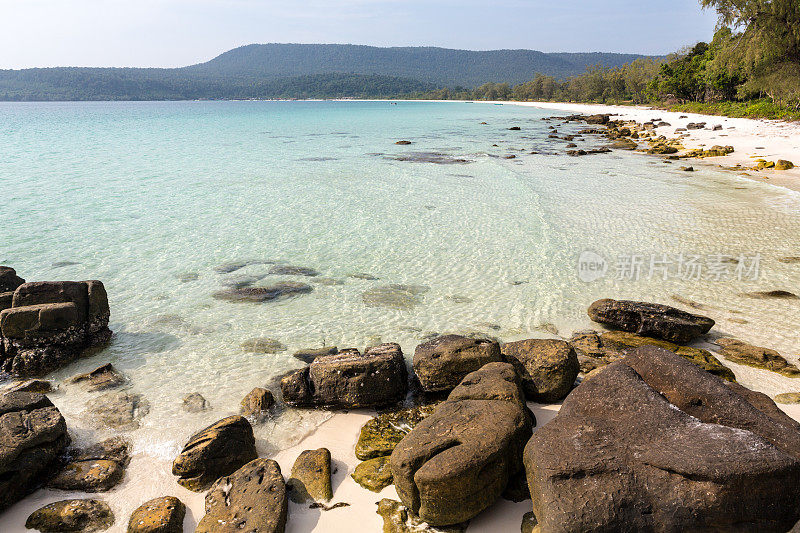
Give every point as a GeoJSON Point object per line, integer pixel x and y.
{"type": "Point", "coordinates": [144, 195]}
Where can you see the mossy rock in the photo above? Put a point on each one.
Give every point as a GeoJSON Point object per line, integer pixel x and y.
{"type": "Point", "coordinates": [765, 165]}
{"type": "Point", "coordinates": [662, 149]}
{"type": "Point", "coordinates": [373, 474]}
{"type": "Point", "coordinates": [380, 435]}
{"type": "Point", "coordinates": [702, 358]}
{"type": "Point", "coordinates": [788, 397]}
{"type": "Point", "coordinates": [757, 357]}
{"type": "Point", "coordinates": [782, 164]}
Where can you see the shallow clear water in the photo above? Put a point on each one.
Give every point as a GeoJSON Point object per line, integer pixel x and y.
{"type": "Point", "coordinates": [139, 194]}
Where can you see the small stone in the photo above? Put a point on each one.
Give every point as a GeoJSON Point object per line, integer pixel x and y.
{"type": "Point", "coordinates": [777, 294]}
{"type": "Point", "coordinates": [529, 523]}
{"type": "Point", "coordinates": [101, 378]}
{"type": "Point", "coordinates": [159, 515]}
{"type": "Point", "coordinates": [397, 518]}
{"type": "Point", "coordinates": [263, 345]}
{"type": "Point", "coordinates": [373, 474]}
{"type": "Point", "coordinates": [403, 143]}
{"type": "Point", "coordinates": [195, 403]}
{"type": "Point", "coordinates": [80, 516]}
{"type": "Point", "coordinates": [311, 477]}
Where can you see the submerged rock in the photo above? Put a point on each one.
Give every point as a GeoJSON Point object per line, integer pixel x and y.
{"type": "Point", "coordinates": [289, 270]}
{"type": "Point", "coordinates": [548, 368]}
{"type": "Point", "coordinates": [101, 378]}
{"type": "Point", "coordinates": [159, 515]}
{"type": "Point", "coordinates": [195, 403]}
{"type": "Point", "coordinates": [263, 294]}
{"type": "Point", "coordinates": [747, 354]}
{"type": "Point", "coordinates": [380, 434]}
{"type": "Point", "coordinates": [253, 498]}
{"type": "Point", "coordinates": [397, 518]}
{"type": "Point", "coordinates": [650, 320]}
{"type": "Point", "coordinates": [115, 449]}
{"type": "Point", "coordinates": [33, 434]}
{"type": "Point", "coordinates": [349, 379]}
{"type": "Point", "coordinates": [308, 355]}
{"type": "Point", "coordinates": [216, 451]}
{"type": "Point", "coordinates": [263, 345]}
{"type": "Point", "coordinates": [373, 474]}
{"type": "Point", "coordinates": [394, 296]}
{"type": "Point", "coordinates": [441, 363]}
{"type": "Point", "coordinates": [81, 516]}
{"type": "Point", "coordinates": [437, 158]}
{"type": "Point", "coordinates": [119, 410]}
{"type": "Point", "coordinates": [653, 443]}
{"type": "Point", "coordinates": [458, 461]}
{"type": "Point", "coordinates": [777, 295]}
{"type": "Point", "coordinates": [311, 477]}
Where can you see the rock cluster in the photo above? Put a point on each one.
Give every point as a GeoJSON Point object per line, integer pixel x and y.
{"type": "Point", "coordinates": [33, 435]}
{"type": "Point", "coordinates": [349, 379]}
{"type": "Point", "coordinates": [450, 467]}
{"type": "Point", "coordinates": [49, 323]}
{"type": "Point", "coordinates": [653, 443]}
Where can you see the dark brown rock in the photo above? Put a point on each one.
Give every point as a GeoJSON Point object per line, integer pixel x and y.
{"type": "Point", "coordinates": [115, 449]}
{"type": "Point", "coordinates": [216, 451]}
{"type": "Point", "coordinates": [257, 403]}
{"type": "Point", "coordinates": [441, 363]}
{"type": "Point", "coordinates": [548, 368]}
{"type": "Point", "coordinates": [650, 320]}
{"type": "Point", "coordinates": [311, 477]}
{"type": "Point", "coordinates": [654, 443]}
{"type": "Point", "coordinates": [33, 435]}
{"type": "Point", "coordinates": [251, 499]}
{"type": "Point", "coordinates": [9, 281]}
{"type": "Point", "coordinates": [308, 355]}
{"type": "Point", "coordinates": [457, 461]}
{"type": "Point", "coordinates": [349, 379]}
{"type": "Point", "coordinates": [159, 515]}
{"type": "Point", "coordinates": [41, 386]}
{"type": "Point", "coordinates": [67, 516]}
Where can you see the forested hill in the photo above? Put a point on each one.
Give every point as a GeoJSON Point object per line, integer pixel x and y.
{"type": "Point", "coordinates": [440, 66]}
{"type": "Point", "coordinates": [301, 71]}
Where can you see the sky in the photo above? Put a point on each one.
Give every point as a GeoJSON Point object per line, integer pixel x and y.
{"type": "Point", "coordinates": [169, 33]}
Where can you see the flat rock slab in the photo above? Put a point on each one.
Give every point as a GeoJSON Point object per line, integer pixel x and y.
{"type": "Point", "coordinates": [350, 379]}
{"type": "Point", "coordinates": [311, 477]}
{"type": "Point", "coordinates": [159, 515]}
{"type": "Point", "coordinates": [654, 443]}
{"type": "Point", "coordinates": [33, 434]}
{"type": "Point", "coordinates": [650, 320]}
{"type": "Point", "coordinates": [755, 356]}
{"type": "Point", "coordinates": [216, 451]}
{"type": "Point", "coordinates": [251, 499]}
{"type": "Point", "coordinates": [548, 368]}
{"type": "Point", "coordinates": [67, 516]}
{"type": "Point", "coordinates": [456, 462]}
{"type": "Point", "coordinates": [441, 363]}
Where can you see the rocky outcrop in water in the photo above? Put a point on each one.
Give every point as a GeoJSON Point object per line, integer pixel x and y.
{"type": "Point", "coordinates": [350, 379]}
{"type": "Point", "coordinates": [650, 320]}
{"type": "Point", "coordinates": [548, 368]}
{"type": "Point", "coordinates": [251, 499]}
{"type": "Point", "coordinates": [50, 323]}
{"type": "Point", "coordinates": [159, 515]}
{"type": "Point", "coordinates": [101, 378]}
{"type": "Point", "coordinates": [257, 403]}
{"type": "Point", "coordinates": [33, 435]}
{"type": "Point", "coordinates": [441, 363]}
{"type": "Point", "coordinates": [120, 410]}
{"type": "Point", "coordinates": [457, 461]}
{"type": "Point", "coordinates": [72, 516]}
{"type": "Point", "coordinates": [276, 291]}
{"type": "Point", "coordinates": [653, 443]}
{"type": "Point", "coordinates": [216, 451]}
{"type": "Point", "coordinates": [755, 356]}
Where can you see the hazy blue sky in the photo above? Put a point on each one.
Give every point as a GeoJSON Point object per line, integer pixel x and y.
{"type": "Point", "coordinates": [180, 32]}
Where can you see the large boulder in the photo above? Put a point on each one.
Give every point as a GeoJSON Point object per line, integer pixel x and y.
{"type": "Point", "coordinates": [350, 379]}
{"type": "Point", "coordinates": [547, 367]}
{"type": "Point", "coordinates": [654, 443]}
{"type": "Point", "coordinates": [650, 320]}
{"type": "Point", "coordinates": [9, 281]}
{"type": "Point", "coordinates": [441, 363]}
{"type": "Point", "coordinates": [72, 516]}
{"type": "Point", "coordinates": [33, 435]}
{"type": "Point", "coordinates": [456, 462]}
{"type": "Point", "coordinates": [251, 499]}
{"type": "Point", "coordinates": [50, 323]}
{"type": "Point", "coordinates": [216, 451]}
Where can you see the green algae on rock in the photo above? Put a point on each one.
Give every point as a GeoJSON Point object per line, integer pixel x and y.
{"type": "Point", "coordinates": [373, 474]}
{"type": "Point", "coordinates": [380, 435]}
{"type": "Point", "coordinates": [757, 357]}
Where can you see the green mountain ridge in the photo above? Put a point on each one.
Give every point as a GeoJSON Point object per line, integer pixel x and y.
{"type": "Point", "coordinates": [301, 71]}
